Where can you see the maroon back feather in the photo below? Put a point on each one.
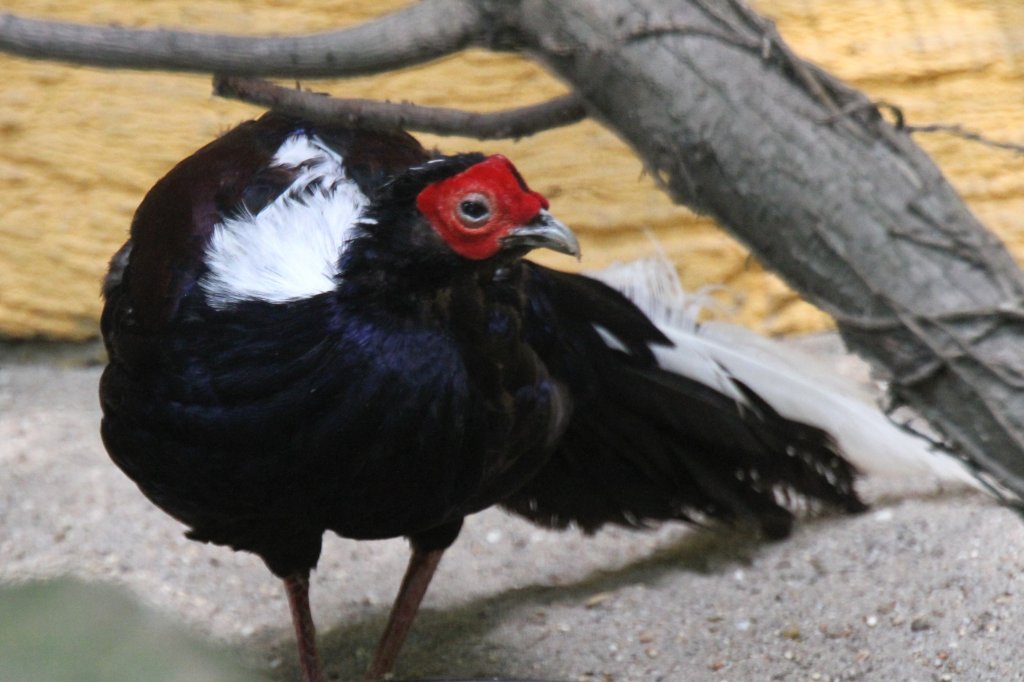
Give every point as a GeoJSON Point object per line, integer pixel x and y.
{"type": "Point", "coordinates": [173, 224]}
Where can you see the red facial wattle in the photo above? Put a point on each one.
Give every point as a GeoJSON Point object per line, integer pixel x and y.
{"type": "Point", "coordinates": [494, 183]}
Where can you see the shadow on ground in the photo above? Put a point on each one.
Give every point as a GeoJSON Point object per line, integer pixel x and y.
{"type": "Point", "coordinates": [455, 641]}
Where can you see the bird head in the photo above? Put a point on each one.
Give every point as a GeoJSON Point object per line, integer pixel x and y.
{"type": "Point", "coordinates": [487, 209]}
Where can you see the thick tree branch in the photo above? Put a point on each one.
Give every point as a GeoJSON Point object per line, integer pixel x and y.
{"type": "Point", "coordinates": [364, 113]}
{"type": "Point", "coordinates": [805, 171]}
{"type": "Point", "coordinates": [419, 33]}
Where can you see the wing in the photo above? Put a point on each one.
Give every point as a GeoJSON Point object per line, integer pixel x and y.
{"type": "Point", "coordinates": [647, 444]}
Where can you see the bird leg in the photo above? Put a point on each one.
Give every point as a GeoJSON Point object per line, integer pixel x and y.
{"type": "Point", "coordinates": [418, 574]}
{"type": "Point", "coordinates": [297, 587]}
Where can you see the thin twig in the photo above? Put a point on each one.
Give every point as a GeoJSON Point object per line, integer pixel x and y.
{"type": "Point", "coordinates": [416, 34]}
{"type": "Point", "coordinates": [900, 124]}
{"type": "Point", "coordinates": [859, 106]}
{"type": "Point", "coordinates": [363, 113]}
{"type": "Point", "coordinates": [961, 132]}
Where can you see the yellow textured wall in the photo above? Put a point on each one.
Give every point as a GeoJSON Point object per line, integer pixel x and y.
{"type": "Point", "coordinates": [79, 147]}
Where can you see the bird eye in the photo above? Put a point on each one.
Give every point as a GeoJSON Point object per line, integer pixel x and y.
{"type": "Point", "coordinates": [474, 210]}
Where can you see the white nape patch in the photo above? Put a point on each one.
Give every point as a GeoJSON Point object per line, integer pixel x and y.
{"type": "Point", "coordinates": [290, 249]}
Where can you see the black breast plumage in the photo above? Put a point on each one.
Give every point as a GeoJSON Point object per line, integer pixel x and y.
{"type": "Point", "coordinates": [388, 406]}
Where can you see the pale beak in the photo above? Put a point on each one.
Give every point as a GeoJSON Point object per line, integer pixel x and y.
{"type": "Point", "coordinates": [545, 232]}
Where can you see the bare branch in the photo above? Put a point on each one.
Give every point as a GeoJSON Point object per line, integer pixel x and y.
{"type": "Point", "coordinates": [416, 34]}
{"type": "Point", "coordinates": [961, 132]}
{"type": "Point", "coordinates": [364, 113]}
{"type": "Point", "coordinates": [900, 124]}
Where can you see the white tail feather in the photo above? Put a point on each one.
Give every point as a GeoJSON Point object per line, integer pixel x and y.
{"type": "Point", "coordinates": [794, 384]}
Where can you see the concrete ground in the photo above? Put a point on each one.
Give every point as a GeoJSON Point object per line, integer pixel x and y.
{"type": "Point", "coordinates": [925, 586]}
